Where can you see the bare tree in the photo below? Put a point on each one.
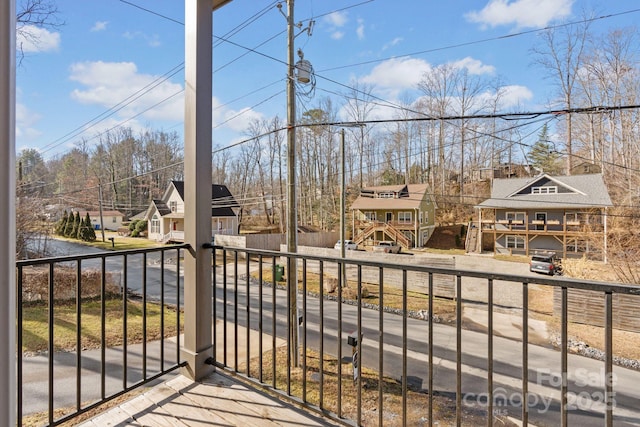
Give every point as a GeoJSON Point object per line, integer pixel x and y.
{"type": "Point", "coordinates": [358, 107]}
{"type": "Point", "coordinates": [34, 13]}
{"type": "Point", "coordinates": [438, 86]}
{"type": "Point", "coordinates": [561, 55]}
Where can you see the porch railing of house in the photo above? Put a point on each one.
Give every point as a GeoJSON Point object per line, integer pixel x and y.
{"type": "Point", "coordinates": [63, 383]}
{"type": "Point", "coordinates": [404, 364]}
{"type": "Point", "coordinates": [178, 236]}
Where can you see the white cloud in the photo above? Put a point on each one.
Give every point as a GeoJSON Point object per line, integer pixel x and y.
{"type": "Point", "coordinates": [236, 120]}
{"type": "Point", "coordinates": [99, 26]}
{"type": "Point", "coordinates": [474, 66]}
{"type": "Point", "coordinates": [515, 95]}
{"type": "Point", "coordinates": [32, 39]}
{"type": "Point", "coordinates": [360, 29]}
{"type": "Point", "coordinates": [108, 84]}
{"type": "Point", "coordinates": [152, 40]}
{"type": "Point", "coordinates": [119, 85]}
{"type": "Point", "coordinates": [25, 121]}
{"type": "Point", "coordinates": [336, 19]}
{"type": "Point", "coordinates": [521, 13]}
{"type": "Point", "coordinates": [392, 43]}
{"type": "Point", "coordinates": [395, 75]}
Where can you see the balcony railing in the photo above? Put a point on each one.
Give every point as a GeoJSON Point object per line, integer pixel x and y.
{"type": "Point", "coordinates": [368, 354]}
{"type": "Point", "coordinates": [549, 226]}
{"type": "Point", "coordinates": [66, 382]}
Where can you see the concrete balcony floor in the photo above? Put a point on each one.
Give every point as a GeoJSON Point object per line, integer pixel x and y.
{"type": "Point", "coordinates": [218, 400]}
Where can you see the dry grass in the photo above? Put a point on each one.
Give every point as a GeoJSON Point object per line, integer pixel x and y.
{"type": "Point", "coordinates": [392, 297]}
{"type": "Point", "coordinates": [582, 268]}
{"type": "Point", "coordinates": [444, 406]}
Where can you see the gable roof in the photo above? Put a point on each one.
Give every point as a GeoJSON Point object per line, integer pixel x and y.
{"type": "Point", "coordinates": [413, 195]}
{"type": "Point", "coordinates": [574, 191]}
{"type": "Point", "coordinates": [222, 201]}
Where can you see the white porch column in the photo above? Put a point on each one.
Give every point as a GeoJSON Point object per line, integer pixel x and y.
{"type": "Point", "coordinates": [8, 387]}
{"type": "Point", "coordinates": [198, 320]}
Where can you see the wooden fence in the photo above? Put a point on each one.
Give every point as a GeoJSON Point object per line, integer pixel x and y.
{"type": "Point", "coordinates": [587, 307]}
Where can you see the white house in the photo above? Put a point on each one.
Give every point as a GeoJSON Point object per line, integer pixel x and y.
{"type": "Point", "coordinates": [165, 217]}
{"type": "Point", "coordinates": [111, 220]}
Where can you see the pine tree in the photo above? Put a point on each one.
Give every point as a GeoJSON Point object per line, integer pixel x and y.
{"type": "Point", "coordinates": [543, 155]}
{"type": "Point", "coordinates": [76, 226]}
{"type": "Point", "coordinates": [91, 233]}
{"type": "Point", "coordinates": [87, 234]}
{"type": "Point", "coordinates": [68, 227]}
{"type": "Point", "coordinates": [61, 224]}
{"type": "Point", "coordinates": [82, 230]}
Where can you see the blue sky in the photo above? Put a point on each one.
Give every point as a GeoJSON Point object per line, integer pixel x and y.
{"type": "Point", "coordinates": [120, 63]}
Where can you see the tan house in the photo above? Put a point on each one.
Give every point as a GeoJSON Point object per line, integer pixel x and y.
{"type": "Point", "coordinates": [166, 216]}
{"type": "Point", "coordinates": [563, 214]}
{"type": "Point", "coordinates": [402, 213]}
{"type": "Point", "coordinates": [111, 220]}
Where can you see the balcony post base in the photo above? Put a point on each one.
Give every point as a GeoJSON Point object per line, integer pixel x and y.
{"type": "Point", "coordinates": [197, 367]}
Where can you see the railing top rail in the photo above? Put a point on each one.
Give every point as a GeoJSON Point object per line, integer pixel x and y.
{"type": "Point", "coordinates": [106, 253]}
{"type": "Point", "coordinates": [591, 285]}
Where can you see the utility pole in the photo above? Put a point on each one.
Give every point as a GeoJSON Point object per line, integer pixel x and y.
{"type": "Point", "coordinates": [292, 216]}
{"type": "Point", "coordinates": [100, 204]}
{"type": "Point", "coordinates": [343, 232]}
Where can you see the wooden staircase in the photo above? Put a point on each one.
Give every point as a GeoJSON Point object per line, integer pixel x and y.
{"type": "Point", "coordinates": [389, 230]}
{"type": "Point", "coordinates": [471, 242]}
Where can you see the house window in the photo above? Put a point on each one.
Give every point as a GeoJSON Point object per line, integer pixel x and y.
{"type": "Point", "coordinates": [544, 190]}
{"type": "Point", "coordinates": [385, 195]}
{"type": "Point", "coordinates": [155, 224]}
{"type": "Point", "coordinates": [572, 216]}
{"type": "Point", "coordinates": [370, 216]}
{"type": "Point", "coordinates": [421, 217]}
{"type": "Point", "coordinates": [173, 205]}
{"type": "Point", "coordinates": [404, 217]}
{"type": "Point", "coordinates": [515, 218]}
{"type": "Point", "coordinates": [114, 219]}
{"type": "Point", "coordinates": [515, 242]}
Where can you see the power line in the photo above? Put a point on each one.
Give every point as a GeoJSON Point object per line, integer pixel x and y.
{"type": "Point", "coordinates": [471, 43]}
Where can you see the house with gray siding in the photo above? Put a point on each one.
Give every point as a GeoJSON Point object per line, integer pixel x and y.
{"type": "Point", "coordinates": [563, 214]}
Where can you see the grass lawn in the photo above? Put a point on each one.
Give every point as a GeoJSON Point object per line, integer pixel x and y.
{"type": "Point", "coordinates": [119, 242]}
{"type": "Point", "coordinates": [35, 331]}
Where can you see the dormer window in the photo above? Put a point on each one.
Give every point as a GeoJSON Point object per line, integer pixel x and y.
{"type": "Point", "coordinates": [385, 195]}
{"type": "Point", "coordinates": [544, 190]}
{"type": "Point", "coordinates": [173, 205]}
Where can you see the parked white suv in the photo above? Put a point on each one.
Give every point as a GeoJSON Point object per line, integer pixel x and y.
{"type": "Point", "coordinates": [348, 244]}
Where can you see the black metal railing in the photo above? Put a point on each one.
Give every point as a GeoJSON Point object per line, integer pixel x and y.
{"type": "Point", "coordinates": [60, 380]}
{"type": "Point", "coordinates": [408, 364]}
{"type": "Point", "coordinates": [370, 342]}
